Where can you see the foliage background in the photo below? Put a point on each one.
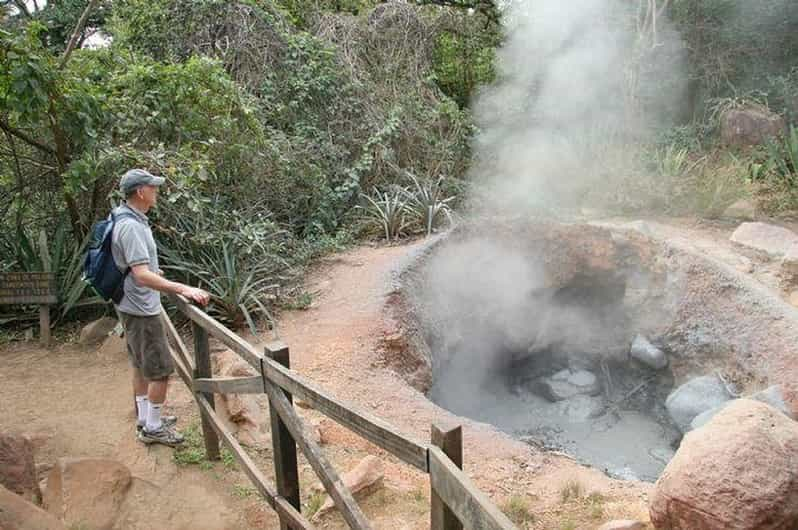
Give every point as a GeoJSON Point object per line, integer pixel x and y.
{"type": "Point", "coordinates": [274, 119]}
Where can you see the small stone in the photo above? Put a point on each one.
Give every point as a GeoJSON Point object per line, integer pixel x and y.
{"type": "Point", "coordinates": [794, 298]}
{"type": "Point", "coordinates": [622, 524]}
{"type": "Point", "coordinates": [648, 354]}
{"type": "Point", "coordinates": [361, 480]}
{"type": "Point", "coordinates": [97, 331]}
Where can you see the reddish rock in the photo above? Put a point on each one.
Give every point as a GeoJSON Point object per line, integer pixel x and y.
{"type": "Point", "coordinates": [770, 240]}
{"type": "Point", "coordinates": [361, 480]}
{"type": "Point", "coordinates": [87, 491]}
{"type": "Point", "coordinates": [245, 414]}
{"type": "Point", "coordinates": [17, 467]}
{"type": "Point", "coordinates": [739, 471]}
{"type": "Point", "coordinates": [754, 125]}
{"type": "Point", "coordinates": [18, 514]}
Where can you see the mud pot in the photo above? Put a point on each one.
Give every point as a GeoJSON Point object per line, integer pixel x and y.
{"type": "Point", "coordinates": [572, 337]}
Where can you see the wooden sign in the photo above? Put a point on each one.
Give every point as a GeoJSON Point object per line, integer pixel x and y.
{"type": "Point", "coordinates": [30, 288]}
{"type": "Point", "coordinates": [27, 288]}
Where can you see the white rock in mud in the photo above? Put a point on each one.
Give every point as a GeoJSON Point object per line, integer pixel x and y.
{"type": "Point", "coordinates": [648, 354]}
{"type": "Point", "coordinates": [694, 397]}
{"type": "Point", "coordinates": [582, 408]}
{"type": "Point", "coordinates": [566, 384]}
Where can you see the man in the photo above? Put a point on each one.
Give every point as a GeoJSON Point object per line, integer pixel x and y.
{"type": "Point", "coordinates": [133, 248]}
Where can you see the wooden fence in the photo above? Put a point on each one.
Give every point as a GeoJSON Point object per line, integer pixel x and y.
{"type": "Point", "coordinates": [456, 501]}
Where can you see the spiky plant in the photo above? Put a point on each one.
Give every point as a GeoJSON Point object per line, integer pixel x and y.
{"type": "Point", "coordinates": [428, 202]}
{"type": "Point", "coordinates": [388, 211]}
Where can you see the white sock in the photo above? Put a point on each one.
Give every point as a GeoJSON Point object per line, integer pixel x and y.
{"type": "Point", "coordinates": [142, 406]}
{"type": "Point", "coordinates": [154, 417]}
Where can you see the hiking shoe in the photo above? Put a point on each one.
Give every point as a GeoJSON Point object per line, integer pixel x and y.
{"type": "Point", "coordinates": [165, 436]}
{"type": "Point", "coordinates": [166, 421]}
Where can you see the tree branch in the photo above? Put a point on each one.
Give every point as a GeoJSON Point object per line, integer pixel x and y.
{"type": "Point", "coordinates": [73, 40]}
{"type": "Point", "coordinates": [25, 138]}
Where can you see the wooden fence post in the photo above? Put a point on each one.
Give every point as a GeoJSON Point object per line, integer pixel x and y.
{"type": "Point", "coordinates": [44, 325]}
{"type": "Point", "coordinates": [202, 361]}
{"type": "Point", "coordinates": [451, 443]}
{"type": "Point", "coordinates": [285, 465]}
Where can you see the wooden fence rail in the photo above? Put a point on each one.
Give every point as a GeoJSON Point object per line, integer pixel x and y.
{"type": "Point", "coordinates": [456, 502]}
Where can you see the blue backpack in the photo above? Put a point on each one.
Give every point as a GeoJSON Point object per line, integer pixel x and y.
{"type": "Point", "coordinates": [99, 268]}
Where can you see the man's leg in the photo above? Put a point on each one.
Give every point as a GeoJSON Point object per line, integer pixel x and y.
{"type": "Point", "coordinates": [156, 394]}
{"type": "Point", "coordinates": [142, 402]}
{"type": "Point", "coordinates": [156, 366]}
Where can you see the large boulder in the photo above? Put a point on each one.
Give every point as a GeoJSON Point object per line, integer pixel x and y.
{"type": "Point", "coordinates": [87, 491]}
{"type": "Point", "coordinates": [17, 467]}
{"type": "Point", "coordinates": [771, 240]}
{"type": "Point", "coordinates": [96, 332]}
{"type": "Point", "coordinates": [753, 125]}
{"type": "Point", "coordinates": [18, 514]}
{"type": "Point", "coordinates": [694, 397]}
{"type": "Point", "coordinates": [740, 471]}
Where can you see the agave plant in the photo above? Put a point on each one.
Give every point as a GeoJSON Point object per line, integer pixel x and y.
{"type": "Point", "coordinates": [63, 257]}
{"type": "Point", "coordinates": [239, 289]}
{"type": "Point", "coordinates": [389, 211]}
{"type": "Point", "coordinates": [428, 203]}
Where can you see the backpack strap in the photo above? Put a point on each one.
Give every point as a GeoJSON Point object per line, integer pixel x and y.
{"type": "Point", "coordinates": [114, 218]}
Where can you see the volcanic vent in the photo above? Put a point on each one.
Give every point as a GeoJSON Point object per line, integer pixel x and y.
{"type": "Point", "coordinates": [568, 337]}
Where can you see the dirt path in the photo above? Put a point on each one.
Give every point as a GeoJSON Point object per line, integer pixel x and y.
{"type": "Point", "coordinates": [76, 401]}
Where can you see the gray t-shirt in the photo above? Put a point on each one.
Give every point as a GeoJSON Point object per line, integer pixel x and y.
{"type": "Point", "coordinates": [132, 244]}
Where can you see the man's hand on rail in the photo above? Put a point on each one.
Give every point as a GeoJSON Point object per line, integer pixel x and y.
{"type": "Point", "coordinates": [197, 295]}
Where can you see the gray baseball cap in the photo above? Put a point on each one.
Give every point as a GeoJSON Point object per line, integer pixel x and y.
{"type": "Point", "coordinates": [135, 178]}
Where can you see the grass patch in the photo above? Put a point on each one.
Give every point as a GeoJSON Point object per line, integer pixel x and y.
{"type": "Point", "coordinates": [314, 503]}
{"type": "Point", "coordinates": [517, 509]}
{"type": "Point", "coordinates": [192, 451]}
{"type": "Point", "coordinates": [573, 490]}
{"type": "Point", "coordinates": [243, 491]}
{"type": "Point", "coordinates": [300, 302]}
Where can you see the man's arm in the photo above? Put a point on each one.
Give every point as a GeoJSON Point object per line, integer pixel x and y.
{"type": "Point", "coordinates": [146, 278]}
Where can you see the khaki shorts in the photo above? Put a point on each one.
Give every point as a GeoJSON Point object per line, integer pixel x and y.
{"type": "Point", "coordinates": [147, 346]}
